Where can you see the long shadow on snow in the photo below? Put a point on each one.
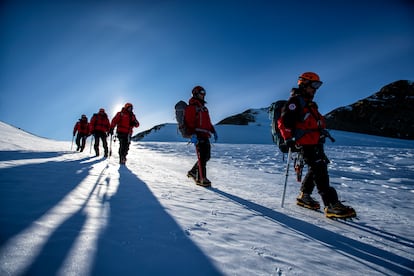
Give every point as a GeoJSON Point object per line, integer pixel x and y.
{"type": "Point", "coordinates": [141, 238]}
{"type": "Point", "coordinates": [7, 155]}
{"type": "Point", "coordinates": [369, 253]}
{"type": "Point", "coordinates": [383, 234]}
{"type": "Point", "coordinates": [59, 244]}
{"type": "Point", "coordinates": [28, 191]}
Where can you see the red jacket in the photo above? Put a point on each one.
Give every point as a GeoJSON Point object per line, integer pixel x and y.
{"type": "Point", "coordinates": [301, 120]}
{"type": "Point", "coordinates": [124, 121]}
{"type": "Point", "coordinates": [82, 127]}
{"type": "Point", "coordinates": [197, 119]}
{"type": "Point", "coordinates": [99, 122]}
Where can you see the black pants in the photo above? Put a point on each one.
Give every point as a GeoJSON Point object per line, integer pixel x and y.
{"type": "Point", "coordinates": [317, 175]}
{"type": "Point", "coordinates": [124, 141]}
{"type": "Point", "coordinates": [100, 135]}
{"type": "Point", "coordinates": [203, 149]}
{"type": "Point", "coordinates": [81, 141]}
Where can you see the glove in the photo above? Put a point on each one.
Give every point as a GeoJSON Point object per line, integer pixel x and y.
{"type": "Point", "coordinates": [215, 136]}
{"type": "Point", "coordinates": [194, 139]}
{"type": "Point", "coordinates": [291, 143]}
{"type": "Point", "coordinates": [111, 131]}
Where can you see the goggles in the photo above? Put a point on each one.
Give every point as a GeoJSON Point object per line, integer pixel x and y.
{"type": "Point", "coordinates": [202, 92]}
{"type": "Point", "coordinates": [313, 84]}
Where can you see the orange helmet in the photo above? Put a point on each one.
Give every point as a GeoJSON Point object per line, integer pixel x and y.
{"type": "Point", "coordinates": [198, 90]}
{"type": "Point", "coordinates": [128, 105]}
{"type": "Point", "coordinates": [309, 78]}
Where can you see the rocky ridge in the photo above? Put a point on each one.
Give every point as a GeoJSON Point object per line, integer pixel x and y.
{"type": "Point", "coordinates": [388, 112]}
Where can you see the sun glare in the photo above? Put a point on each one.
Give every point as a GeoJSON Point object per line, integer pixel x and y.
{"type": "Point", "coordinates": [116, 108]}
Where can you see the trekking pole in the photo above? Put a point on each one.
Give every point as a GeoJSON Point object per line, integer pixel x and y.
{"type": "Point", "coordinates": [326, 133]}
{"type": "Point", "coordinates": [110, 146]}
{"type": "Point", "coordinates": [286, 177]}
{"type": "Point", "coordinates": [90, 148]}
{"type": "Point", "coordinates": [71, 146]}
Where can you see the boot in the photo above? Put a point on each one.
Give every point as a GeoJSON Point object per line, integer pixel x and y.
{"type": "Point", "coordinates": [338, 210]}
{"type": "Point", "coordinates": [192, 174]}
{"type": "Point", "coordinates": [122, 160]}
{"type": "Point", "coordinates": [305, 200]}
{"type": "Point", "coordinates": [204, 182]}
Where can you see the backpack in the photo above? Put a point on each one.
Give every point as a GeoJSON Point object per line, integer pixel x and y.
{"type": "Point", "coordinates": [275, 110]}
{"type": "Point", "coordinates": [180, 108]}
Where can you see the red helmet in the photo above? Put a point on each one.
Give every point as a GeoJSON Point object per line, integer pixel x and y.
{"type": "Point", "coordinates": [198, 90]}
{"type": "Point", "coordinates": [309, 78]}
{"type": "Point", "coordinates": [128, 105]}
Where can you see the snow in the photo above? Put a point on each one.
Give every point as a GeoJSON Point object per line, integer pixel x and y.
{"type": "Point", "coordinates": [69, 213]}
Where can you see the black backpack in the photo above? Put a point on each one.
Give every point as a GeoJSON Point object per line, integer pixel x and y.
{"type": "Point", "coordinates": [180, 109]}
{"type": "Point", "coordinates": [275, 111]}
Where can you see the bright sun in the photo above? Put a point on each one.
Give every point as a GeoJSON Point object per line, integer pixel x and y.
{"type": "Point", "coordinates": [116, 108]}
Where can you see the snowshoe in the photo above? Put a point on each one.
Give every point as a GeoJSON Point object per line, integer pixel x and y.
{"type": "Point", "coordinates": [338, 210]}
{"type": "Point", "coordinates": [306, 201]}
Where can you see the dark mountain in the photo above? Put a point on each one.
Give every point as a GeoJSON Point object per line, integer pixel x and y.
{"type": "Point", "coordinates": [244, 118]}
{"type": "Point", "coordinates": [139, 136]}
{"type": "Point", "coordinates": [389, 113]}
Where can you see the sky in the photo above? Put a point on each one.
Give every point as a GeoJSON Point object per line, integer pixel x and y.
{"type": "Point", "coordinates": [106, 219]}
{"type": "Point", "coordinates": [62, 59]}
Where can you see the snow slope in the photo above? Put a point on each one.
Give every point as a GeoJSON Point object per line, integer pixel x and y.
{"type": "Point", "coordinates": [254, 133]}
{"type": "Point", "coordinates": [69, 213]}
